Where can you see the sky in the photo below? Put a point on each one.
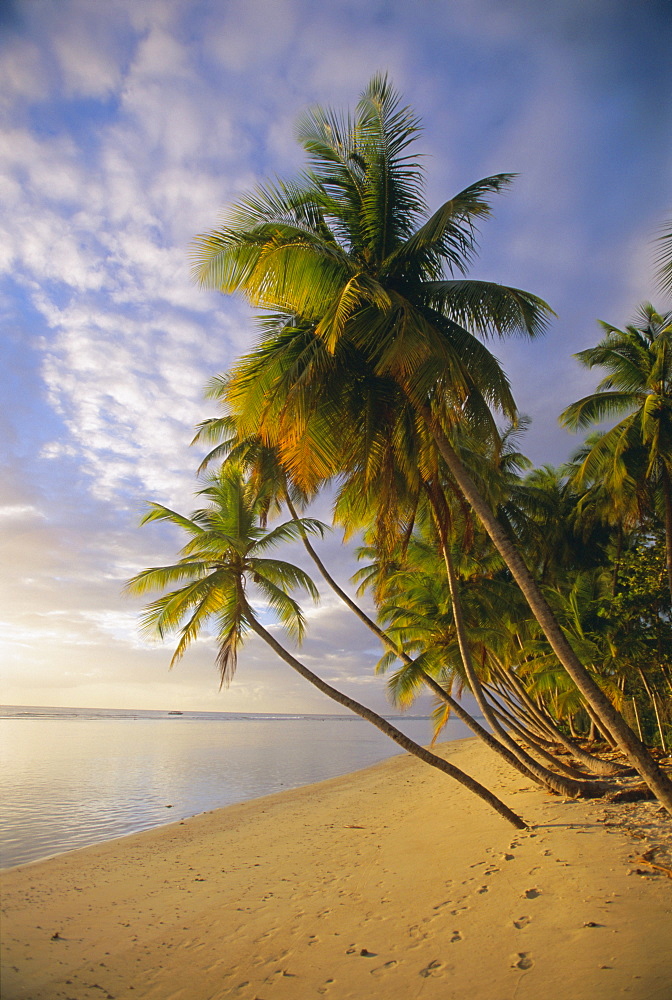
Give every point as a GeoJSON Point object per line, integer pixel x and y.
{"type": "Point", "coordinates": [125, 129]}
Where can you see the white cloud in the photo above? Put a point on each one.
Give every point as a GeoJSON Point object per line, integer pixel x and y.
{"type": "Point", "coordinates": [19, 512]}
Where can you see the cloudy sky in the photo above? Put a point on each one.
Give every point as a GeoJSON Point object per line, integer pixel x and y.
{"type": "Point", "coordinates": [126, 127]}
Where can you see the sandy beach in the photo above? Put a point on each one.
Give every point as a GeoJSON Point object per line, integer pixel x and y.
{"type": "Point", "coordinates": [391, 883]}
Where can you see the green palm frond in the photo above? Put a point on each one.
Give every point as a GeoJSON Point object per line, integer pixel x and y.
{"type": "Point", "coordinates": [448, 237]}
{"type": "Point", "coordinates": [157, 512]}
{"type": "Point", "coordinates": [287, 611]}
{"type": "Point", "coordinates": [162, 576]}
{"type": "Point", "coordinates": [664, 259]}
{"type": "Point", "coordinates": [226, 538]}
{"type": "Point", "coordinates": [488, 308]}
{"type": "Point", "coordinates": [598, 407]}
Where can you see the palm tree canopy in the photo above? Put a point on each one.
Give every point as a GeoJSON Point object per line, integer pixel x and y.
{"type": "Point", "coordinates": [224, 555]}
{"type": "Point", "coordinates": [358, 275]}
{"type": "Point", "coordinates": [664, 258]}
{"type": "Point", "coordinates": [638, 385]}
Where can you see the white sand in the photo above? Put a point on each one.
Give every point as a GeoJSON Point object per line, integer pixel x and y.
{"type": "Point", "coordinates": [388, 883]}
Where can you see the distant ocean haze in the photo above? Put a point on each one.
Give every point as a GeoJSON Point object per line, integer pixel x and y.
{"type": "Point", "coordinates": [71, 777]}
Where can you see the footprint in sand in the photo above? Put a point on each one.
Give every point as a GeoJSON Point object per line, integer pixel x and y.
{"type": "Point", "coordinates": [482, 889]}
{"type": "Point", "coordinates": [521, 922]}
{"type": "Point", "coordinates": [532, 893]}
{"type": "Point", "coordinates": [386, 967]}
{"type": "Point", "coordinates": [456, 937]}
{"type": "Point", "coordinates": [434, 968]}
{"type": "Point", "coordinates": [522, 960]}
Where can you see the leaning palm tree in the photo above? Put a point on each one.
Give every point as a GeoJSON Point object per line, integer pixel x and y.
{"type": "Point", "coordinates": [637, 452]}
{"type": "Point", "coordinates": [360, 283]}
{"type": "Point", "coordinates": [262, 465]}
{"type": "Point", "coordinates": [224, 558]}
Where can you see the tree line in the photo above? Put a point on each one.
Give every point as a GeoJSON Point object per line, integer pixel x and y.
{"type": "Point", "coordinates": [545, 592]}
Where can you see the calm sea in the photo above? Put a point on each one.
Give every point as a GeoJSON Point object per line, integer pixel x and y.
{"type": "Point", "coordinates": [72, 777]}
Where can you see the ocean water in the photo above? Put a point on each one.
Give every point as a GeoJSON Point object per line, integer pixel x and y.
{"type": "Point", "coordinates": [73, 777]}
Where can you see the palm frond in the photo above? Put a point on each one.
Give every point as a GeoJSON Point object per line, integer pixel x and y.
{"type": "Point", "coordinates": [664, 260]}
{"type": "Point", "coordinates": [597, 407]}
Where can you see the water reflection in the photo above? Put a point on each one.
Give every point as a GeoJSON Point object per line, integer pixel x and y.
{"type": "Point", "coordinates": [69, 782]}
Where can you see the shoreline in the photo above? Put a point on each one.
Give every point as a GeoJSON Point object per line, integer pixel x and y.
{"type": "Point", "coordinates": [175, 770]}
{"type": "Point", "coordinates": [205, 812]}
{"type": "Point", "coordinates": [390, 882]}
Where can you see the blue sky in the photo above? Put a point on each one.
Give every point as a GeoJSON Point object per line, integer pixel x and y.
{"type": "Point", "coordinates": [126, 128]}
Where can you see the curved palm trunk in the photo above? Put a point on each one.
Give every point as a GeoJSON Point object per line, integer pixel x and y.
{"type": "Point", "coordinates": [505, 698]}
{"type": "Point", "coordinates": [543, 734]}
{"type": "Point", "coordinates": [385, 727]}
{"type": "Point", "coordinates": [436, 688]}
{"type": "Point", "coordinates": [562, 784]}
{"type": "Point", "coordinates": [538, 749]}
{"type": "Point", "coordinates": [557, 736]}
{"type": "Point", "coordinates": [514, 756]}
{"type": "Point", "coordinates": [628, 743]}
{"type": "Point", "coordinates": [654, 703]}
{"type": "Point", "coordinates": [568, 783]}
{"type": "Point", "coordinates": [602, 734]}
{"type": "Point", "coordinates": [477, 729]}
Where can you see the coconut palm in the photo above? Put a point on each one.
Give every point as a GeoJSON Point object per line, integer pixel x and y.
{"type": "Point", "coordinates": [664, 258]}
{"type": "Point", "coordinates": [360, 282]}
{"type": "Point", "coordinates": [637, 452]}
{"type": "Point", "coordinates": [263, 466]}
{"type": "Point", "coordinates": [451, 629]}
{"type": "Point", "coordinates": [224, 558]}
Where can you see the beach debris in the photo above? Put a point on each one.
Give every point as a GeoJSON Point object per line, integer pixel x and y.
{"type": "Point", "coordinates": [365, 953]}
{"type": "Point", "coordinates": [648, 858]}
{"type": "Point", "coordinates": [56, 937]}
{"type": "Point", "coordinates": [637, 793]}
{"type": "Point", "coordinates": [591, 923]}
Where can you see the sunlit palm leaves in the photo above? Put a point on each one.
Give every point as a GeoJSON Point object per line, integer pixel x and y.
{"type": "Point", "coordinates": [224, 557]}
{"type": "Point", "coordinates": [637, 451]}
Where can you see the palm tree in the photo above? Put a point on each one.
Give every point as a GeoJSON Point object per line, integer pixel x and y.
{"type": "Point", "coordinates": [262, 465]}
{"type": "Point", "coordinates": [451, 633]}
{"type": "Point", "coordinates": [664, 258]}
{"type": "Point", "coordinates": [225, 554]}
{"type": "Point", "coordinates": [361, 284]}
{"type": "Point", "coordinates": [637, 452]}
